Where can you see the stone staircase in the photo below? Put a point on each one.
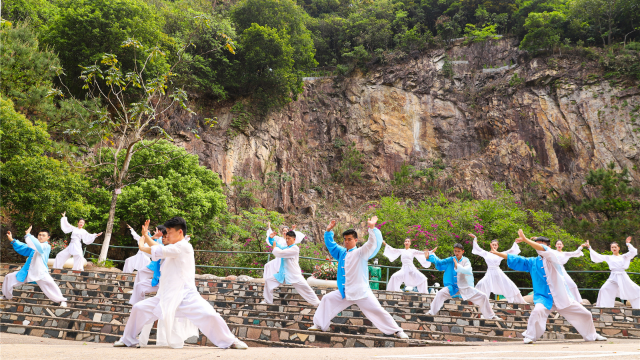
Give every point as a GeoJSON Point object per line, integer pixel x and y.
{"type": "Point", "coordinates": [98, 310]}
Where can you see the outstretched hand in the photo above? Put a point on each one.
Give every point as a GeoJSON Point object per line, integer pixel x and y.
{"type": "Point", "coordinates": [331, 225]}
{"type": "Point", "coordinates": [99, 234]}
{"type": "Point", "coordinates": [455, 262]}
{"type": "Point", "coordinates": [472, 235]}
{"type": "Point", "coordinates": [145, 227]}
{"type": "Point", "coordinates": [293, 228]}
{"type": "Point", "coordinates": [129, 226]}
{"type": "Point", "coordinates": [628, 240]}
{"type": "Point", "coordinates": [428, 252]}
{"type": "Point", "coordinates": [372, 222]}
{"type": "Point", "coordinates": [586, 244]}
{"type": "Point", "coordinates": [28, 231]}
{"type": "Point", "coordinates": [9, 235]}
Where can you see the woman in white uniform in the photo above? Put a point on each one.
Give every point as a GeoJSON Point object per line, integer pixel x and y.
{"type": "Point", "coordinates": [78, 235]}
{"type": "Point", "coordinates": [564, 258]}
{"type": "Point", "coordinates": [408, 274]}
{"type": "Point", "coordinates": [495, 280]}
{"type": "Point", "coordinates": [619, 284]}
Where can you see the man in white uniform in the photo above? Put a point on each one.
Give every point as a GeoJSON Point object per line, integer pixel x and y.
{"type": "Point", "coordinates": [550, 291]}
{"type": "Point", "coordinates": [35, 268]}
{"type": "Point", "coordinates": [289, 272]}
{"type": "Point", "coordinates": [78, 235]}
{"type": "Point", "coordinates": [353, 282]}
{"type": "Point", "coordinates": [177, 302]}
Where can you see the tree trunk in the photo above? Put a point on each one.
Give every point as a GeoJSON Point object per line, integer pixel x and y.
{"type": "Point", "coordinates": [108, 231]}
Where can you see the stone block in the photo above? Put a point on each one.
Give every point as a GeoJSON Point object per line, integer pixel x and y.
{"type": "Point", "coordinates": [16, 330]}
{"type": "Point", "coordinates": [253, 333]}
{"type": "Point", "coordinates": [284, 335]}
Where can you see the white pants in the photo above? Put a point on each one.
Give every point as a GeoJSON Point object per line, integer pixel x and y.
{"type": "Point", "coordinates": [397, 279]}
{"type": "Point", "coordinates": [573, 289]}
{"type": "Point", "coordinates": [47, 285]}
{"type": "Point", "coordinates": [479, 299]}
{"type": "Point", "coordinates": [140, 289]}
{"type": "Point", "coordinates": [136, 262]}
{"type": "Point", "coordinates": [301, 287]}
{"type": "Point", "coordinates": [607, 296]}
{"type": "Point", "coordinates": [333, 303]}
{"type": "Point", "coordinates": [193, 307]}
{"type": "Point", "coordinates": [576, 314]}
{"type": "Point", "coordinates": [63, 256]}
{"type": "Point", "coordinates": [142, 275]}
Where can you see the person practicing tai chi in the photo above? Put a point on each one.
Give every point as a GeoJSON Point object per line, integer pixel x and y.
{"type": "Point", "coordinates": [353, 282]}
{"type": "Point", "coordinates": [141, 259]}
{"type": "Point", "coordinates": [35, 268]}
{"type": "Point", "coordinates": [564, 258]}
{"type": "Point", "coordinates": [619, 284]}
{"type": "Point", "coordinates": [177, 302]}
{"type": "Point", "coordinates": [148, 277]}
{"type": "Point", "coordinates": [289, 272]}
{"type": "Point", "coordinates": [549, 291]}
{"type": "Point", "coordinates": [408, 274]}
{"type": "Point", "coordinates": [78, 235]}
{"type": "Point", "coordinates": [273, 266]}
{"type": "Point", "coordinates": [495, 280]}
{"type": "Point", "coordinates": [458, 282]}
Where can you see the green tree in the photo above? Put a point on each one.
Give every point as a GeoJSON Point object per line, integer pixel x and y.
{"type": "Point", "coordinates": [604, 16]}
{"type": "Point", "coordinates": [243, 192]}
{"type": "Point", "coordinates": [287, 18]}
{"type": "Point", "coordinates": [35, 188]}
{"type": "Point", "coordinates": [543, 31]}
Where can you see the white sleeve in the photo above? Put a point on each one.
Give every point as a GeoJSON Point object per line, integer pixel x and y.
{"type": "Point", "coordinates": [269, 231]}
{"type": "Point", "coordinates": [165, 252]}
{"type": "Point", "coordinates": [477, 250]}
{"type": "Point", "coordinates": [391, 253]}
{"type": "Point", "coordinates": [515, 250]}
{"type": "Point", "coordinates": [88, 239]}
{"type": "Point", "coordinates": [595, 257]}
{"type": "Point", "coordinates": [419, 255]}
{"type": "Point", "coordinates": [286, 253]}
{"type": "Point", "coordinates": [576, 253]}
{"type": "Point", "coordinates": [370, 246]}
{"type": "Point", "coordinates": [550, 255]}
{"type": "Point", "coordinates": [631, 253]}
{"type": "Point", "coordinates": [66, 227]}
{"type": "Point", "coordinates": [299, 237]}
{"type": "Point", "coordinates": [135, 235]}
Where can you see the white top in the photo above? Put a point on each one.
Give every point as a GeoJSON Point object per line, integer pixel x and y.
{"type": "Point", "coordinates": [465, 279]}
{"type": "Point", "coordinates": [492, 260]}
{"type": "Point", "coordinates": [406, 256]}
{"type": "Point", "coordinates": [292, 270]}
{"type": "Point", "coordinates": [627, 289]}
{"type": "Point", "coordinates": [356, 272]}
{"type": "Point", "coordinates": [565, 256]}
{"type": "Point", "coordinates": [178, 269]}
{"type": "Point", "coordinates": [77, 235]}
{"type": "Point", "coordinates": [136, 237]}
{"type": "Point", "coordinates": [281, 241]}
{"type": "Point", "coordinates": [37, 270]}
{"type": "Point", "coordinates": [552, 262]}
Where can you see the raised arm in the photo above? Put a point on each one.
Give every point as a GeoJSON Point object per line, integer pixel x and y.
{"type": "Point", "coordinates": [524, 239]}
{"type": "Point", "coordinates": [333, 248]}
{"type": "Point", "coordinates": [477, 250]}
{"type": "Point", "coordinates": [299, 237]}
{"type": "Point", "coordinates": [374, 242]}
{"type": "Point", "coordinates": [419, 255]}
{"type": "Point", "coordinates": [89, 238]}
{"type": "Point", "coordinates": [135, 235]}
{"type": "Point", "coordinates": [503, 255]}
{"type": "Point", "coordinates": [287, 253]}
{"type": "Point", "coordinates": [463, 267]}
{"type": "Point", "coordinates": [391, 253]}
{"type": "Point", "coordinates": [633, 252]}
{"type": "Point", "coordinates": [595, 257]}
{"type": "Point", "coordinates": [20, 247]}
{"type": "Point", "coordinates": [576, 253]}
{"type": "Point", "coordinates": [519, 263]}
{"type": "Point", "coordinates": [34, 244]}
{"type": "Point", "coordinates": [65, 226]}
{"type": "Point", "coordinates": [440, 264]}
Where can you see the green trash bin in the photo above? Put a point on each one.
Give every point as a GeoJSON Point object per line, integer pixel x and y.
{"type": "Point", "coordinates": [375, 273]}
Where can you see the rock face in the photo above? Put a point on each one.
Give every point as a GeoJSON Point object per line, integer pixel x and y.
{"type": "Point", "coordinates": [541, 124]}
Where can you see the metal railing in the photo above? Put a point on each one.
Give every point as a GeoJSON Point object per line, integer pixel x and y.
{"type": "Point", "coordinates": [387, 267]}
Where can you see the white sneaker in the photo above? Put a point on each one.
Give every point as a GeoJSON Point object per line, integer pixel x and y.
{"type": "Point", "coordinates": [2, 297]}
{"type": "Point", "coordinates": [528, 341]}
{"type": "Point", "coordinates": [119, 343]}
{"type": "Point", "coordinates": [401, 335]}
{"type": "Point", "coordinates": [600, 338]}
{"type": "Point", "coordinates": [63, 304]}
{"type": "Point", "coordinates": [496, 317]}
{"type": "Point", "coordinates": [263, 302]}
{"type": "Point", "coordinates": [238, 345]}
{"type": "Point", "coordinates": [314, 328]}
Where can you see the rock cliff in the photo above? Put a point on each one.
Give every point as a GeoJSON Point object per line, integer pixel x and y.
{"type": "Point", "coordinates": [539, 125]}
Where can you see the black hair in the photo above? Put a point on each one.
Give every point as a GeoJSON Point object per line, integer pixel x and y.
{"type": "Point", "coordinates": [614, 243]}
{"type": "Point", "coordinates": [81, 219]}
{"type": "Point", "coordinates": [496, 240]}
{"type": "Point", "coordinates": [45, 230]}
{"type": "Point", "coordinates": [177, 223]}
{"type": "Point", "coordinates": [290, 233]}
{"type": "Point", "coordinates": [350, 232]}
{"type": "Point", "coordinates": [458, 246]}
{"type": "Point", "coordinates": [162, 229]}
{"type": "Point", "coordinates": [543, 239]}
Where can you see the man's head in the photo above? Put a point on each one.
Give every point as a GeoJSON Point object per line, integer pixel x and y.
{"type": "Point", "coordinates": [290, 237]}
{"type": "Point", "coordinates": [162, 229]}
{"type": "Point", "coordinates": [407, 243]}
{"type": "Point", "coordinates": [543, 240]}
{"type": "Point", "coordinates": [350, 238]}
{"type": "Point", "coordinates": [176, 229]}
{"type": "Point", "coordinates": [81, 223]}
{"type": "Point", "coordinates": [43, 235]}
{"type": "Point", "coordinates": [559, 245]}
{"type": "Point", "coordinates": [458, 250]}
{"type": "Point", "coordinates": [494, 244]}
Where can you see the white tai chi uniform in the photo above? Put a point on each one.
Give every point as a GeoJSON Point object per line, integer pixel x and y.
{"type": "Point", "coordinates": [550, 293]}
{"type": "Point", "coordinates": [138, 261]}
{"type": "Point", "coordinates": [459, 281]}
{"type": "Point", "coordinates": [408, 274]}
{"type": "Point", "coordinates": [178, 305]}
{"type": "Point", "coordinates": [289, 273]}
{"type": "Point", "coordinates": [75, 247]}
{"type": "Point", "coordinates": [495, 280]}
{"type": "Point", "coordinates": [353, 286]}
{"type": "Point", "coordinates": [36, 268]}
{"type": "Point", "coordinates": [571, 285]}
{"type": "Point", "coordinates": [619, 283]}
{"type": "Point", "coordinates": [273, 266]}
